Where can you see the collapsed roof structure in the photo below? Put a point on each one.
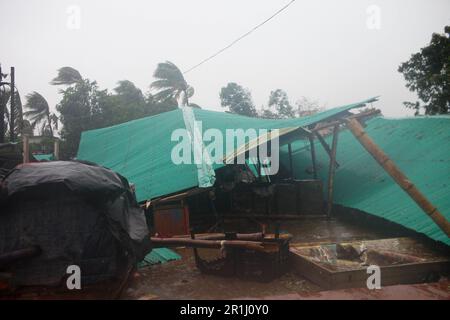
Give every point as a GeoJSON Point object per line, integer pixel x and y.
{"type": "Point", "coordinates": [141, 150]}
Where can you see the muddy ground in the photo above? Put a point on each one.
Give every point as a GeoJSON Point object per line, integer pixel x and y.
{"type": "Point", "coordinates": [182, 280]}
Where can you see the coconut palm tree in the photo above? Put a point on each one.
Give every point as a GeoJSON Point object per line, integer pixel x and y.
{"type": "Point", "coordinates": [171, 84]}
{"type": "Point", "coordinates": [39, 113]}
{"type": "Point", "coordinates": [19, 123]}
{"type": "Point", "coordinates": [67, 76]}
{"type": "Point", "coordinates": [5, 107]}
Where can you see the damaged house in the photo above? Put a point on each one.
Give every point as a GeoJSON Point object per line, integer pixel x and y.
{"type": "Point", "coordinates": [391, 174]}
{"type": "Point", "coordinates": [326, 195]}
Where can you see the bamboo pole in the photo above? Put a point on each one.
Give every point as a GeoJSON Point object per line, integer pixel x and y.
{"type": "Point", "coordinates": [213, 244]}
{"type": "Point", "coordinates": [399, 177]}
{"type": "Point", "coordinates": [332, 169]}
{"type": "Point", "coordinates": [258, 236]}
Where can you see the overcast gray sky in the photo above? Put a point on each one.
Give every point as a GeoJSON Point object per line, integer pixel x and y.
{"type": "Point", "coordinates": [323, 50]}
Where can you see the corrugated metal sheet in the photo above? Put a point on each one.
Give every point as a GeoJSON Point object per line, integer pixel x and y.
{"type": "Point", "coordinates": [421, 149]}
{"type": "Point", "coordinates": [159, 255]}
{"type": "Point", "coordinates": [141, 149]}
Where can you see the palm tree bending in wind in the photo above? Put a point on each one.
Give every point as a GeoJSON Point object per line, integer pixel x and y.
{"type": "Point", "coordinates": [39, 113]}
{"type": "Point", "coordinates": [67, 76]}
{"type": "Point", "coordinates": [171, 84]}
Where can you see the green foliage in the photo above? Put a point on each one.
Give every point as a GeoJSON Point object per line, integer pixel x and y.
{"type": "Point", "coordinates": [428, 74]}
{"type": "Point", "coordinates": [38, 113]}
{"type": "Point", "coordinates": [268, 114]}
{"type": "Point", "coordinates": [84, 107]}
{"type": "Point", "coordinates": [306, 107]}
{"type": "Point", "coordinates": [280, 102]}
{"type": "Point", "coordinates": [237, 99]}
{"type": "Point", "coordinates": [81, 108]}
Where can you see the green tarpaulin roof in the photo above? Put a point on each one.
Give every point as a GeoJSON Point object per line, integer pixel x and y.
{"type": "Point", "coordinates": [141, 149]}
{"type": "Point", "coordinates": [421, 149]}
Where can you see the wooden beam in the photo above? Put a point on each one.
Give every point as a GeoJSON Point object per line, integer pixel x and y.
{"type": "Point", "coordinates": [313, 155]}
{"type": "Point", "coordinates": [361, 115]}
{"type": "Point", "coordinates": [399, 177]}
{"type": "Point", "coordinates": [332, 169]}
{"type": "Point", "coordinates": [325, 146]}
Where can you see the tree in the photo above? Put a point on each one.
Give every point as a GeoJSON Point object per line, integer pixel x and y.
{"type": "Point", "coordinates": [171, 84]}
{"type": "Point", "coordinates": [39, 114]}
{"type": "Point", "coordinates": [427, 73]}
{"type": "Point", "coordinates": [280, 102]}
{"type": "Point", "coordinates": [5, 110]}
{"type": "Point", "coordinates": [67, 76]}
{"type": "Point", "coordinates": [127, 103]}
{"type": "Point", "coordinates": [237, 99]}
{"type": "Point", "coordinates": [81, 108]}
{"type": "Point", "coordinates": [307, 107]}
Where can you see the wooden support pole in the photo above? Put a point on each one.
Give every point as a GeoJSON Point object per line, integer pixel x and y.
{"type": "Point", "coordinates": [325, 146]}
{"type": "Point", "coordinates": [291, 167]}
{"type": "Point", "coordinates": [313, 156]}
{"type": "Point", "coordinates": [26, 149]}
{"type": "Point", "coordinates": [332, 169]}
{"type": "Point", "coordinates": [56, 149]}
{"type": "Point", "coordinates": [259, 162]}
{"type": "Point", "coordinates": [12, 105]}
{"type": "Point", "coordinates": [399, 177]}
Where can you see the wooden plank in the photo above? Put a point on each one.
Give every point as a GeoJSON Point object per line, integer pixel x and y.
{"type": "Point", "coordinates": [390, 275]}
{"type": "Point", "coordinates": [399, 177]}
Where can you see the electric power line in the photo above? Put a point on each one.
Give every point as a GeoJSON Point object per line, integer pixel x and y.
{"type": "Point", "coordinates": [240, 38]}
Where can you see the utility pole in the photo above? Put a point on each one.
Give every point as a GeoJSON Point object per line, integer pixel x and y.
{"type": "Point", "coordinates": [13, 105]}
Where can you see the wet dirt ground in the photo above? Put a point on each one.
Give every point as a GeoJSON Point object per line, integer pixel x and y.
{"type": "Point", "coordinates": [182, 280]}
